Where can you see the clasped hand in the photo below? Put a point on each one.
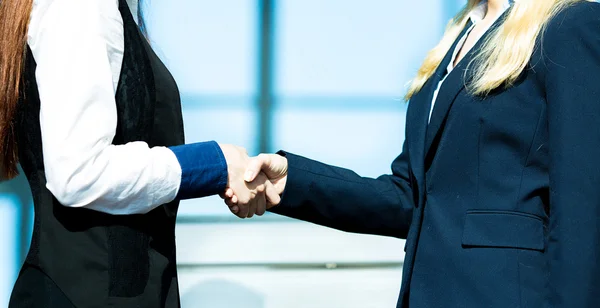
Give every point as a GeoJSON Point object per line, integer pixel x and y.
{"type": "Point", "coordinates": [254, 184]}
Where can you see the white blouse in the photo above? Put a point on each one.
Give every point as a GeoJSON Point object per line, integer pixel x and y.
{"type": "Point", "coordinates": [475, 16]}
{"type": "Point", "coordinates": [78, 47]}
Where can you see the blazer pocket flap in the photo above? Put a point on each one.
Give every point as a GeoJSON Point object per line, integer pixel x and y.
{"type": "Point", "coordinates": [505, 229]}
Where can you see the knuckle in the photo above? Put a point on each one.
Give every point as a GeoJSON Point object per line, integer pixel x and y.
{"type": "Point", "coordinates": [265, 157]}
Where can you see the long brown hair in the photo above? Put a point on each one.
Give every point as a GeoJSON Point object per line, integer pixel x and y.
{"type": "Point", "coordinates": [14, 22]}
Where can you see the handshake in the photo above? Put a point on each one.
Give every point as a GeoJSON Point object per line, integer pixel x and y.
{"type": "Point", "coordinates": [254, 184]}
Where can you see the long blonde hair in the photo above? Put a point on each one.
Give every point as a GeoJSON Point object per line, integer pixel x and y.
{"type": "Point", "coordinates": [506, 51]}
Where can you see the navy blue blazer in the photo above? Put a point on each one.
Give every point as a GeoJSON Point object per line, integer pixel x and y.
{"type": "Point", "coordinates": [498, 197]}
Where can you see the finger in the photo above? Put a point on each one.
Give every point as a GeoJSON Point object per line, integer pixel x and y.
{"type": "Point", "coordinates": [260, 188]}
{"type": "Point", "coordinates": [234, 199]}
{"type": "Point", "coordinates": [243, 203]}
{"type": "Point", "coordinates": [229, 203]}
{"type": "Point", "coordinates": [261, 206]}
{"type": "Point", "coordinates": [258, 198]}
{"type": "Point", "coordinates": [255, 166]}
{"type": "Point", "coordinates": [242, 211]}
{"type": "Point", "coordinates": [273, 197]}
{"type": "Point", "coordinates": [229, 193]}
{"type": "Point", "coordinates": [252, 206]}
{"type": "Point", "coordinates": [234, 209]}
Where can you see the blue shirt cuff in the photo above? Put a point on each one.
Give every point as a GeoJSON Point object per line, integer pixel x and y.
{"type": "Point", "coordinates": [203, 169]}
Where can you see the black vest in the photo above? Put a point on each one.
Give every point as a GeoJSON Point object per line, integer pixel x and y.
{"type": "Point", "coordinates": [83, 258]}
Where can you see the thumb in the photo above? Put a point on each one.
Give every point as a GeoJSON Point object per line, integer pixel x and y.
{"type": "Point", "coordinates": [255, 165]}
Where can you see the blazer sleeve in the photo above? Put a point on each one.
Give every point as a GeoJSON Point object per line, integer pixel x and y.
{"type": "Point", "coordinates": [341, 199]}
{"type": "Point", "coordinates": [571, 47]}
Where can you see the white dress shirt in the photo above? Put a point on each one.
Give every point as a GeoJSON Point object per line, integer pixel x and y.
{"type": "Point", "coordinates": [78, 47]}
{"type": "Point", "coordinates": [475, 16]}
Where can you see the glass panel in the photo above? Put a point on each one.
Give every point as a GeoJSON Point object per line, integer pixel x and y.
{"type": "Point", "coordinates": [9, 250]}
{"type": "Point", "coordinates": [210, 47]}
{"type": "Point", "coordinates": [351, 134]}
{"type": "Point", "coordinates": [342, 67]}
{"type": "Point", "coordinates": [363, 48]}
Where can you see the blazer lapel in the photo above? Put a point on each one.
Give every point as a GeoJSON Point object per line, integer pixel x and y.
{"type": "Point", "coordinates": [418, 116]}
{"type": "Point", "coordinates": [455, 82]}
{"type": "Point", "coordinates": [416, 119]}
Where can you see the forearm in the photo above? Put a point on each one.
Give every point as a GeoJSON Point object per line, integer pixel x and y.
{"type": "Point", "coordinates": [133, 178]}
{"type": "Point", "coordinates": [341, 199]}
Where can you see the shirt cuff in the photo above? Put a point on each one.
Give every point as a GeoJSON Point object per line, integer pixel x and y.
{"type": "Point", "coordinates": [203, 169]}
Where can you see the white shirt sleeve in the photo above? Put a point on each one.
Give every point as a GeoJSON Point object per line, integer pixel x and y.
{"type": "Point", "coordinates": [78, 47]}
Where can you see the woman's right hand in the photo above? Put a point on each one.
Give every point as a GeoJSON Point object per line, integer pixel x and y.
{"type": "Point", "coordinates": [270, 167]}
{"type": "Point", "coordinates": [246, 198]}
{"type": "Point", "coordinates": [274, 166]}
